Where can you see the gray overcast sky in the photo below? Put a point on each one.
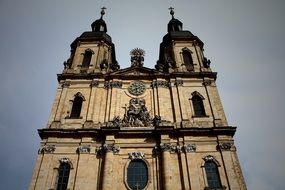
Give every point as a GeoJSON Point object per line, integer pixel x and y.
{"type": "Point", "coordinates": [244, 40]}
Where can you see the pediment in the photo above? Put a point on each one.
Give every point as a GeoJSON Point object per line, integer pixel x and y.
{"type": "Point", "coordinates": [135, 71]}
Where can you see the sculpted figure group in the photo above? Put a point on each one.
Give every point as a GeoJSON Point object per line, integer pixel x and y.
{"type": "Point", "coordinates": [136, 115]}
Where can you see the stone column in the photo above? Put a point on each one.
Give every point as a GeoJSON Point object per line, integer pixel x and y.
{"type": "Point", "coordinates": [84, 176]}
{"type": "Point", "coordinates": [110, 150]}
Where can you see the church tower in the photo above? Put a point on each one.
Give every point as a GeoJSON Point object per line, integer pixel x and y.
{"type": "Point", "coordinates": [137, 128]}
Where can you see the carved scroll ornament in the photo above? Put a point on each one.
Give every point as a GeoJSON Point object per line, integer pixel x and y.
{"type": "Point", "coordinates": [84, 149]}
{"type": "Point", "coordinates": [111, 148]}
{"type": "Point", "coordinates": [189, 148]}
{"type": "Point", "coordinates": [47, 149]}
{"type": "Point", "coordinates": [167, 147]}
{"type": "Point", "coordinates": [225, 146]}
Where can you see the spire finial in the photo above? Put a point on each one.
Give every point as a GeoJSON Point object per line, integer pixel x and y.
{"type": "Point", "coordinates": [102, 11]}
{"type": "Point", "coordinates": [171, 11]}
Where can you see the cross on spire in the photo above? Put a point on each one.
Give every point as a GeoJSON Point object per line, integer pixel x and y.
{"type": "Point", "coordinates": [102, 11]}
{"type": "Point", "coordinates": [171, 11]}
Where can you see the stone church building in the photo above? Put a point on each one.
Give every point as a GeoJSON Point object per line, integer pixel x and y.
{"type": "Point", "coordinates": [137, 128]}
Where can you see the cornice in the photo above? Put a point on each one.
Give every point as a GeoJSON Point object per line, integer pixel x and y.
{"type": "Point", "coordinates": [139, 131]}
{"type": "Point", "coordinates": [148, 76]}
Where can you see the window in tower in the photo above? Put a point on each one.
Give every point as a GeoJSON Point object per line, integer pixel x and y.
{"type": "Point", "coordinates": [212, 174]}
{"type": "Point", "coordinates": [102, 28]}
{"type": "Point", "coordinates": [76, 106]}
{"type": "Point", "coordinates": [188, 61]}
{"type": "Point", "coordinates": [137, 174]}
{"type": "Point", "coordinates": [198, 106]}
{"type": "Point", "coordinates": [87, 59]}
{"type": "Point", "coordinates": [63, 175]}
{"type": "Point", "coordinates": [177, 28]}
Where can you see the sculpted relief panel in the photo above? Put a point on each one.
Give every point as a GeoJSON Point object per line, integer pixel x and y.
{"type": "Point", "coordinates": [136, 115]}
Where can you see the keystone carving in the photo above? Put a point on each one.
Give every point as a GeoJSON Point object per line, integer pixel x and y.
{"type": "Point", "coordinates": [65, 160]}
{"type": "Point", "coordinates": [209, 158]}
{"type": "Point", "coordinates": [136, 155]}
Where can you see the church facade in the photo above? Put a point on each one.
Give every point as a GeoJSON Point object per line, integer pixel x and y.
{"type": "Point", "coordinates": [137, 128]}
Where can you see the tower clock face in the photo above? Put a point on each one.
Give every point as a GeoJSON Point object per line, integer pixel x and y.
{"type": "Point", "coordinates": [137, 88]}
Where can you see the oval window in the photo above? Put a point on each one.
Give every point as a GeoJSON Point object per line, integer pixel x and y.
{"type": "Point", "coordinates": [137, 175]}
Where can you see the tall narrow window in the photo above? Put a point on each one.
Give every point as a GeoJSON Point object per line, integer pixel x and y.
{"type": "Point", "coordinates": [198, 106]}
{"type": "Point", "coordinates": [63, 175]}
{"type": "Point", "coordinates": [87, 59]}
{"type": "Point", "coordinates": [137, 174]}
{"type": "Point", "coordinates": [76, 107]}
{"type": "Point", "coordinates": [188, 61]}
{"type": "Point", "coordinates": [212, 173]}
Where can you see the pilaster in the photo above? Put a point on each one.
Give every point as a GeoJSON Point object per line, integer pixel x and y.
{"type": "Point", "coordinates": [108, 169]}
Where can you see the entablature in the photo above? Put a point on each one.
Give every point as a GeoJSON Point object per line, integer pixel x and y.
{"type": "Point", "coordinates": [141, 131]}
{"type": "Point", "coordinates": [136, 75]}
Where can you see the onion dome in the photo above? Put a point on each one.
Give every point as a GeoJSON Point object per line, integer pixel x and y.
{"type": "Point", "coordinates": [99, 25]}
{"type": "Point", "coordinates": [174, 24]}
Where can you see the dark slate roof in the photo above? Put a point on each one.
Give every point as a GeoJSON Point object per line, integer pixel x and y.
{"type": "Point", "coordinates": [98, 36]}
{"type": "Point", "coordinates": [181, 35]}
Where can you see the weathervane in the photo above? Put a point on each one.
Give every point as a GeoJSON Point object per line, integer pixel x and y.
{"type": "Point", "coordinates": [102, 12]}
{"type": "Point", "coordinates": [171, 11]}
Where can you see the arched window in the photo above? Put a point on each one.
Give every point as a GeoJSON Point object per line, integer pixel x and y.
{"type": "Point", "coordinates": [87, 59]}
{"type": "Point", "coordinates": [63, 175]}
{"type": "Point", "coordinates": [188, 61]}
{"type": "Point", "coordinates": [137, 174]}
{"type": "Point", "coordinates": [198, 106]}
{"type": "Point", "coordinates": [212, 174]}
{"type": "Point", "coordinates": [76, 106]}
